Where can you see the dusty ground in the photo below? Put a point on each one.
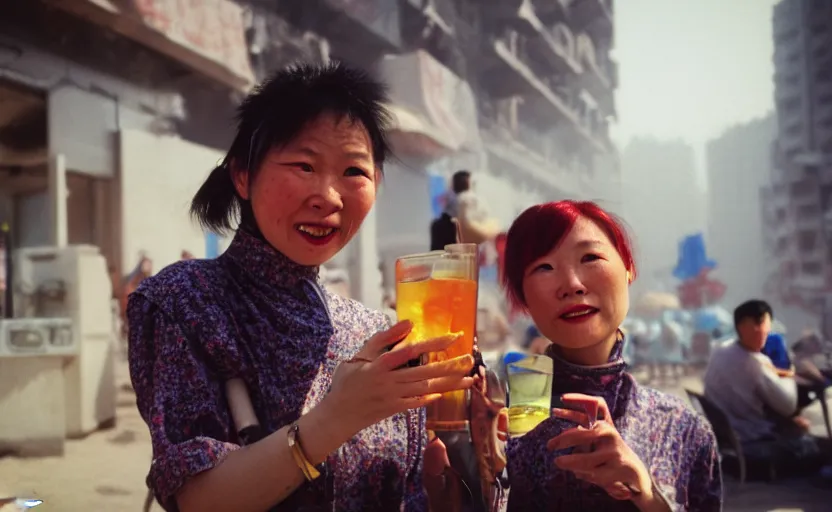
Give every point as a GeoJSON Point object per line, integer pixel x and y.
{"type": "Point", "coordinates": [106, 471]}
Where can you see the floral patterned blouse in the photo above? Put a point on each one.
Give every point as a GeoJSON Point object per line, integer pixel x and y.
{"type": "Point", "coordinates": [675, 443]}
{"type": "Point", "coordinates": [253, 313]}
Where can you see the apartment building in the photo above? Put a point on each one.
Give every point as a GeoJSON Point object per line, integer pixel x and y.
{"type": "Point", "coordinates": [798, 202]}
{"type": "Point", "coordinates": [132, 105]}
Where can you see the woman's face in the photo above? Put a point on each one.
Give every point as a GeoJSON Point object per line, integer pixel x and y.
{"type": "Point", "coordinates": [577, 294]}
{"type": "Point", "coordinates": [310, 197]}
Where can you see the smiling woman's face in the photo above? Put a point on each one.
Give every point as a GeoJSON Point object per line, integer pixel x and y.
{"type": "Point", "coordinates": [310, 196]}
{"type": "Point", "coordinates": [577, 294]}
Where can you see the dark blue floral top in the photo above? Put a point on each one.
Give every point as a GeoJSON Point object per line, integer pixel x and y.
{"type": "Point", "coordinates": [253, 313]}
{"type": "Point", "coordinates": [675, 443]}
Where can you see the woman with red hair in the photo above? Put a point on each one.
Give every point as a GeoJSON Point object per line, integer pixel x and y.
{"type": "Point", "coordinates": [610, 444]}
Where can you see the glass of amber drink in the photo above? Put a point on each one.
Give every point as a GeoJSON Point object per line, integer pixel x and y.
{"type": "Point", "coordinates": [437, 291]}
{"type": "Point", "coordinates": [530, 393]}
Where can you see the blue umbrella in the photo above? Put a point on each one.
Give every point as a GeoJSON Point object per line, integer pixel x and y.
{"type": "Point", "coordinates": [708, 319]}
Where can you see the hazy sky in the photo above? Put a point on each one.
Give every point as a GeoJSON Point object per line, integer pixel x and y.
{"type": "Point", "coordinates": [691, 68]}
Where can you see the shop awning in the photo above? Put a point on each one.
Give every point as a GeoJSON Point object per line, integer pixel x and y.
{"type": "Point", "coordinates": [429, 99]}
{"type": "Point", "coordinates": [208, 37]}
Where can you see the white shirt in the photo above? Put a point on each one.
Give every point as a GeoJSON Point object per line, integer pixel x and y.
{"type": "Point", "coordinates": [465, 203]}
{"type": "Point", "coordinates": [742, 383]}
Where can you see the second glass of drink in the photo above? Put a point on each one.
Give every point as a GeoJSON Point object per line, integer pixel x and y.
{"type": "Point", "coordinates": [530, 393]}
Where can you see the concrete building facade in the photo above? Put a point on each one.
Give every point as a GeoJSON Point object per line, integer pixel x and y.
{"type": "Point", "coordinates": [798, 202]}
{"type": "Point", "coordinates": [111, 127]}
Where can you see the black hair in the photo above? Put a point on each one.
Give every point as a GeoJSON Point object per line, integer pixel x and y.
{"type": "Point", "coordinates": [274, 114]}
{"type": "Point", "coordinates": [754, 309]}
{"type": "Point", "coordinates": [461, 181]}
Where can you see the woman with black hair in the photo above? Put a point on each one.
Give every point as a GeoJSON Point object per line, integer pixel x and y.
{"type": "Point", "coordinates": [323, 413]}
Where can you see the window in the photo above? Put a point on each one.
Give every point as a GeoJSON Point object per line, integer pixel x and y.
{"type": "Point", "coordinates": [801, 188]}
{"type": "Point", "coordinates": [782, 245]}
{"type": "Point", "coordinates": [806, 241]}
{"type": "Point", "coordinates": [781, 214]}
{"type": "Point", "coordinates": [811, 268]}
{"type": "Point", "coordinates": [807, 212]}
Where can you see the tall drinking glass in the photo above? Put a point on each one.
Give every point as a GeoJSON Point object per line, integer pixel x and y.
{"type": "Point", "coordinates": [437, 291]}
{"type": "Point", "coordinates": [530, 393]}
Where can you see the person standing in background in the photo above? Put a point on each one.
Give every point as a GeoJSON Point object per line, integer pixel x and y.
{"type": "Point", "coordinates": [463, 220]}
{"type": "Point", "coordinates": [464, 206]}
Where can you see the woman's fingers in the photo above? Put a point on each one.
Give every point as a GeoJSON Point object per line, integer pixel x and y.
{"type": "Point", "coordinates": [593, 405]}
{"type": "Point", "coordinates": [379, 342]}
{"type": "Point", "coordinates": [619, 491]}
{"type": "Point", "coordinates": [574, 416]}
{"type": "Point", "coordinates": [458, 366]}
{"type": "Point", "coordinates": [584, 462]}
{"type": "Point", "coordinates": [580, 436]}
{"type": "Point", "coordinates": [402, 354]}
{"type": "Point", "coordinates": [433, 386]}
{"type": "Point", "coordinates": [416, 402]}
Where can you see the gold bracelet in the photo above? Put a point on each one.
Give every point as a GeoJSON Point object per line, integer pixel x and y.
{"type": "Point", "coordinates": [309, 471]}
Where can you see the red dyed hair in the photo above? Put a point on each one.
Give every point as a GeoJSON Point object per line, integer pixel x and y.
{"type": "Point", "coordinates": [541, 228]}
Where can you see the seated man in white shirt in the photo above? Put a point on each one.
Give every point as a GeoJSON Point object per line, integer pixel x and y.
{"type": "Point", "coordinates": [761, 404]}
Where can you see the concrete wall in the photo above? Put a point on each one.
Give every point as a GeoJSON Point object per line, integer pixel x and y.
{"type": "Point", "coordinates": [159, 176]}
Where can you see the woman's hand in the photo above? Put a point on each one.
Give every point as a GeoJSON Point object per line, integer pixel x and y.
{"type": "Point", "coordinates": [601, 456]}
{"type": "Point", "coordinates": [374, 385]}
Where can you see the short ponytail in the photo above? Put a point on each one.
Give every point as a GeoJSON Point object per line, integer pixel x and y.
{"type": "Point", "coordinates": [216, 205]}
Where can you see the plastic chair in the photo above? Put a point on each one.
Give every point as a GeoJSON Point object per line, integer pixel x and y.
{"type": "Point", "coordinates": [726, 437]}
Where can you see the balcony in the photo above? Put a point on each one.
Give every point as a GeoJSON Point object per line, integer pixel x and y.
{"type": "Point", "coordinates": [438, 13]}
{"type": "Point", "coordinates": [594, 77]}
{"type": "Point", "coordinates": [553, 46]}
{"type": "Point", "coordinates": [551, 11]}
{"type": "Point", "coordinates": [527, 151]}
{"type": "Point", "coordinates": [510, 75]}
{"type": "Point", "coordinates": [357, 30]}
{"type": "Point", "coordinates": [592, 16]}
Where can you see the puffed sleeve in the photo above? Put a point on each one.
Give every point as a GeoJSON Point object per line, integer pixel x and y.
{"type": "Point", "coordinates": [178, 398]}
{"type": "Point", "coordinates": [705, 487]}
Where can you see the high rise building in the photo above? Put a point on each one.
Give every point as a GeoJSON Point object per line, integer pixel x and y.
{"type": "Point", "coordinates": [798, 202]}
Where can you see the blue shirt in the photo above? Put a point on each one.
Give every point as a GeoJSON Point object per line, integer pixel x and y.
{"type": "Point", "coordinates": [775, 349]}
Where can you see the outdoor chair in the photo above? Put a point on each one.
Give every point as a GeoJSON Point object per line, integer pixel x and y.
{"type": "Point", "coordinates": [726, 438]}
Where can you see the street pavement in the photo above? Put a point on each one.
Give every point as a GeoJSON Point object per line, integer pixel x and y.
{"type": "Point", "coordinates": [106, 470]}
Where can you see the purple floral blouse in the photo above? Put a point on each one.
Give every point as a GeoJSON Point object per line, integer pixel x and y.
{"type": "Point", "coordinates": [253, 313]}
{"type": "Point", "coordinates": [675, 443]}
